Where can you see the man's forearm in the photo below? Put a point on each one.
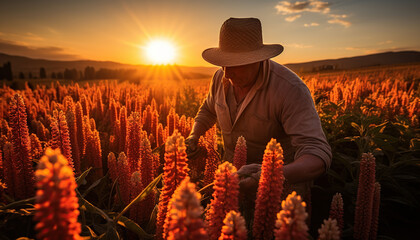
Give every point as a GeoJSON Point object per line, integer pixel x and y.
{"type": "Point", "coordinates": [305, 168]}
{"type": "Point", "coordinates": [198, 129]}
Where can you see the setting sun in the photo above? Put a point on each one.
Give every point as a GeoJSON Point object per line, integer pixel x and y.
{"type": "Point", "coordinates": [160, 52]}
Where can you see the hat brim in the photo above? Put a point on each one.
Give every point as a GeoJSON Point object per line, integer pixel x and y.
{"type": "Point", "coordinates": [218, 57]}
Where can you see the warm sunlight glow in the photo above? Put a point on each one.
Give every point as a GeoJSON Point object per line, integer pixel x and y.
{"type": "Point", "coordinates": [161, 52]}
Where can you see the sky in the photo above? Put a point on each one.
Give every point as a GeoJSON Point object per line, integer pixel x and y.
{"type": "Point", "coordinates": [120, 30]}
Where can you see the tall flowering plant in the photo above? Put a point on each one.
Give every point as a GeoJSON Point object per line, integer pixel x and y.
{"type": "Point", "coordinates": [56, 202]}
{"type": "Point", "coordinates": [225, 198]}
{"type": "Point", "coordinates": [183, 220]}
{"type": "Point", "coordinates": [234, 227]}
{"type": "Point", "coordinates": [337, 211]}
{"type": "Point", "coordinates": [269, 191]}
{"type": "Point", "coordinates": [22, 159]}
{"type": "Point", "coordinates": [290, 222]}
{"type": "Point", "coordinates": [240, 156]}
{"type": "Point", "coordinates": [365, 194]}
{"type": "Point", "coordinates": [174, 171]}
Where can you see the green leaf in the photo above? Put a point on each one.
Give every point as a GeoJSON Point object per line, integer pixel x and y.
{"type": "Point", "coordinates": [111, 233]}
{"type": "Point", "coordinates": [92, 208]}
{"type": "Point", "coordinates": [92, 233]}
{"type": "Point", "coordinates": [158, 149]}
{"type": "Point", "coordinates": [141, 196]}
{"type": "Point", "coordinates": [80, 179]}
{"type": "Point", "coordinates": [114, 184]}
{"type": "Point", "coordinates": [19, 203]}
{"type": "Point", "coordinates": [208, 186]}
{"type": "Point", "coordinates": [152, 221]}
{"type": "Point", "coordinates": [96, 183]}
{"type": "Point", "coordinates": [357, 127]}
{"type": "Point", "coordinates": [134, 227]}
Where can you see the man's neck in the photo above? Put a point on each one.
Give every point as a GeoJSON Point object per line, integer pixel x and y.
{"type": "Point", "coordinates": [241, 92]}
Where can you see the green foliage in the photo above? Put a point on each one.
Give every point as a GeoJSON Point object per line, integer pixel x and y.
{"type": "Point", "coordinates": [395, 146]}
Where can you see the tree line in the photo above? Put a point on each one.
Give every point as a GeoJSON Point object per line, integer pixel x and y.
{"type": "Point", "coordinates": [89, 73]}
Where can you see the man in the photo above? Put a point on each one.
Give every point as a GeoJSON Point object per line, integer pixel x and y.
{"type": "Point", "coordinates": [259, 99]}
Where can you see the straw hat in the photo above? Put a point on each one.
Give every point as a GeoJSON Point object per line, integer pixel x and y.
{"type": "Point", "coordinates": [240, 43]}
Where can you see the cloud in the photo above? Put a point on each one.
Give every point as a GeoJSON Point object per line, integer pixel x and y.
{"type": "Point", "coordinates": [34, 37]}
{"type": "Point", "coordinates": [22, 49]}
{"type": "Point", "coordinates": [315, 6]}
{"type": "Point", "coordinates": [338, 19]}
{"type": "Point", "coordinates": [385, 42]}
{"type": "Point", "coordinates": [293, 18]}
{"type": "Point", "coordinates": [285, 7]}
{"type": "Point", "coordinates": [314, 24]}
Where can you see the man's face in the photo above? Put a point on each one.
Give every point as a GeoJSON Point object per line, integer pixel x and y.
{"type": "Point", "coordinates": [242, 76]}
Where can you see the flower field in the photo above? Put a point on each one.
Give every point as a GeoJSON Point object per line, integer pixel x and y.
{"type": "Point", "coordinates": [107, 160]}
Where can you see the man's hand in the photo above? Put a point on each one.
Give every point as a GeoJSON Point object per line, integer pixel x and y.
{"type": "Point", "coordinates": [249, 176]}
{"type": "Point", "coordinates": [191, 143]}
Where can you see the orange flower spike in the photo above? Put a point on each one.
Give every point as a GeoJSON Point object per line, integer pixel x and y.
{"type": "Point", "coordinates": [365, 193]}
{"type": "Point", "coordinates": [133, 139]}
{"type": "Point", "coordinates": [22, 159]}
{"type": "Point", "coordinates": [123, 128]}
{"type": "Point", "coordinates": [146, 160]}
{"type": "Point", "coordinates": [375, 211]}
{"type": "Point", "coordinates": [112, 112]}
{"type": "Point", "coordinates": [60, 135]}
{"type": "Point", "coordinates": [155, 123]}
{"type": "Point", "coordinates": [8, 169]}
{"type": "Point", "coordinates": [174, 171]}
{"type": "Point", "coordinates": [81, 138]}
{"type": "Point", "coordinates": [85, 105]}
{"type": "Point", "coordinates": [97, 157]}
{"type": "Point", "coordinates": [329, 230]}
{"type": "Point", "coordinates": [147, 119]}
{"type": "Point", "coordinates": [72, 129]}
{"type": "Point", "coordinates": [36, 147]}
{"type": "Point", "coordinates": [234, 227]}
{"type": "Point", "coordinates": [225, 198]}
{"type": "Point", "coordinates": [269, 192]}
{"type": "Point", "coordinates": [146, 169]}
{"type": "Point", "coordinates": [337, 210]}
{"type": "Point", "coordinates": [56, 202]}
{"type": "Point", "coordinates": [172, 121]}
{"type": "Point", "coordinates": [290, 222]}
{"type": "Point", "coordinates": [184, 215]}
{"type": "Point", "coordinates": [124, 177]}
{"type": "Point", "coordinates": [160, 139]}
{"type": "Point", "coordinates": [94, 154]}
{"type": "Point", "coordinates": [240, 156]}
{"type": "Point", "coordinates": [112, 166]}
{"type": "Point", "coordinates": [137, 210]}
{"type": "Point", "coordinates": [212, 162]}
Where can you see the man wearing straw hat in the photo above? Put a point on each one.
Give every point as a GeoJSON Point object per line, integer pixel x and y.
{"type": "Point", "coordinates": [259, 99]}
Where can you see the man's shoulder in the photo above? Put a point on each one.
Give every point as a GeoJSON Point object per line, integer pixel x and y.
{"type": "Point", "coordinates": [280, 74]}
{"type": "Point", "coordinates": [217, 76]}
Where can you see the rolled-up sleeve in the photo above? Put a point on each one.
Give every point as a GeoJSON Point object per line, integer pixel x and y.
{"type": "Point", "coordinates": [301, 122]}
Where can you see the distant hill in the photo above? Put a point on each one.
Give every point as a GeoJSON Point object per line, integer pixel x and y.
{"type": "Point", "coordinates": [379, 59]}
{"type": "Point", "coordinates": [26, 65]}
